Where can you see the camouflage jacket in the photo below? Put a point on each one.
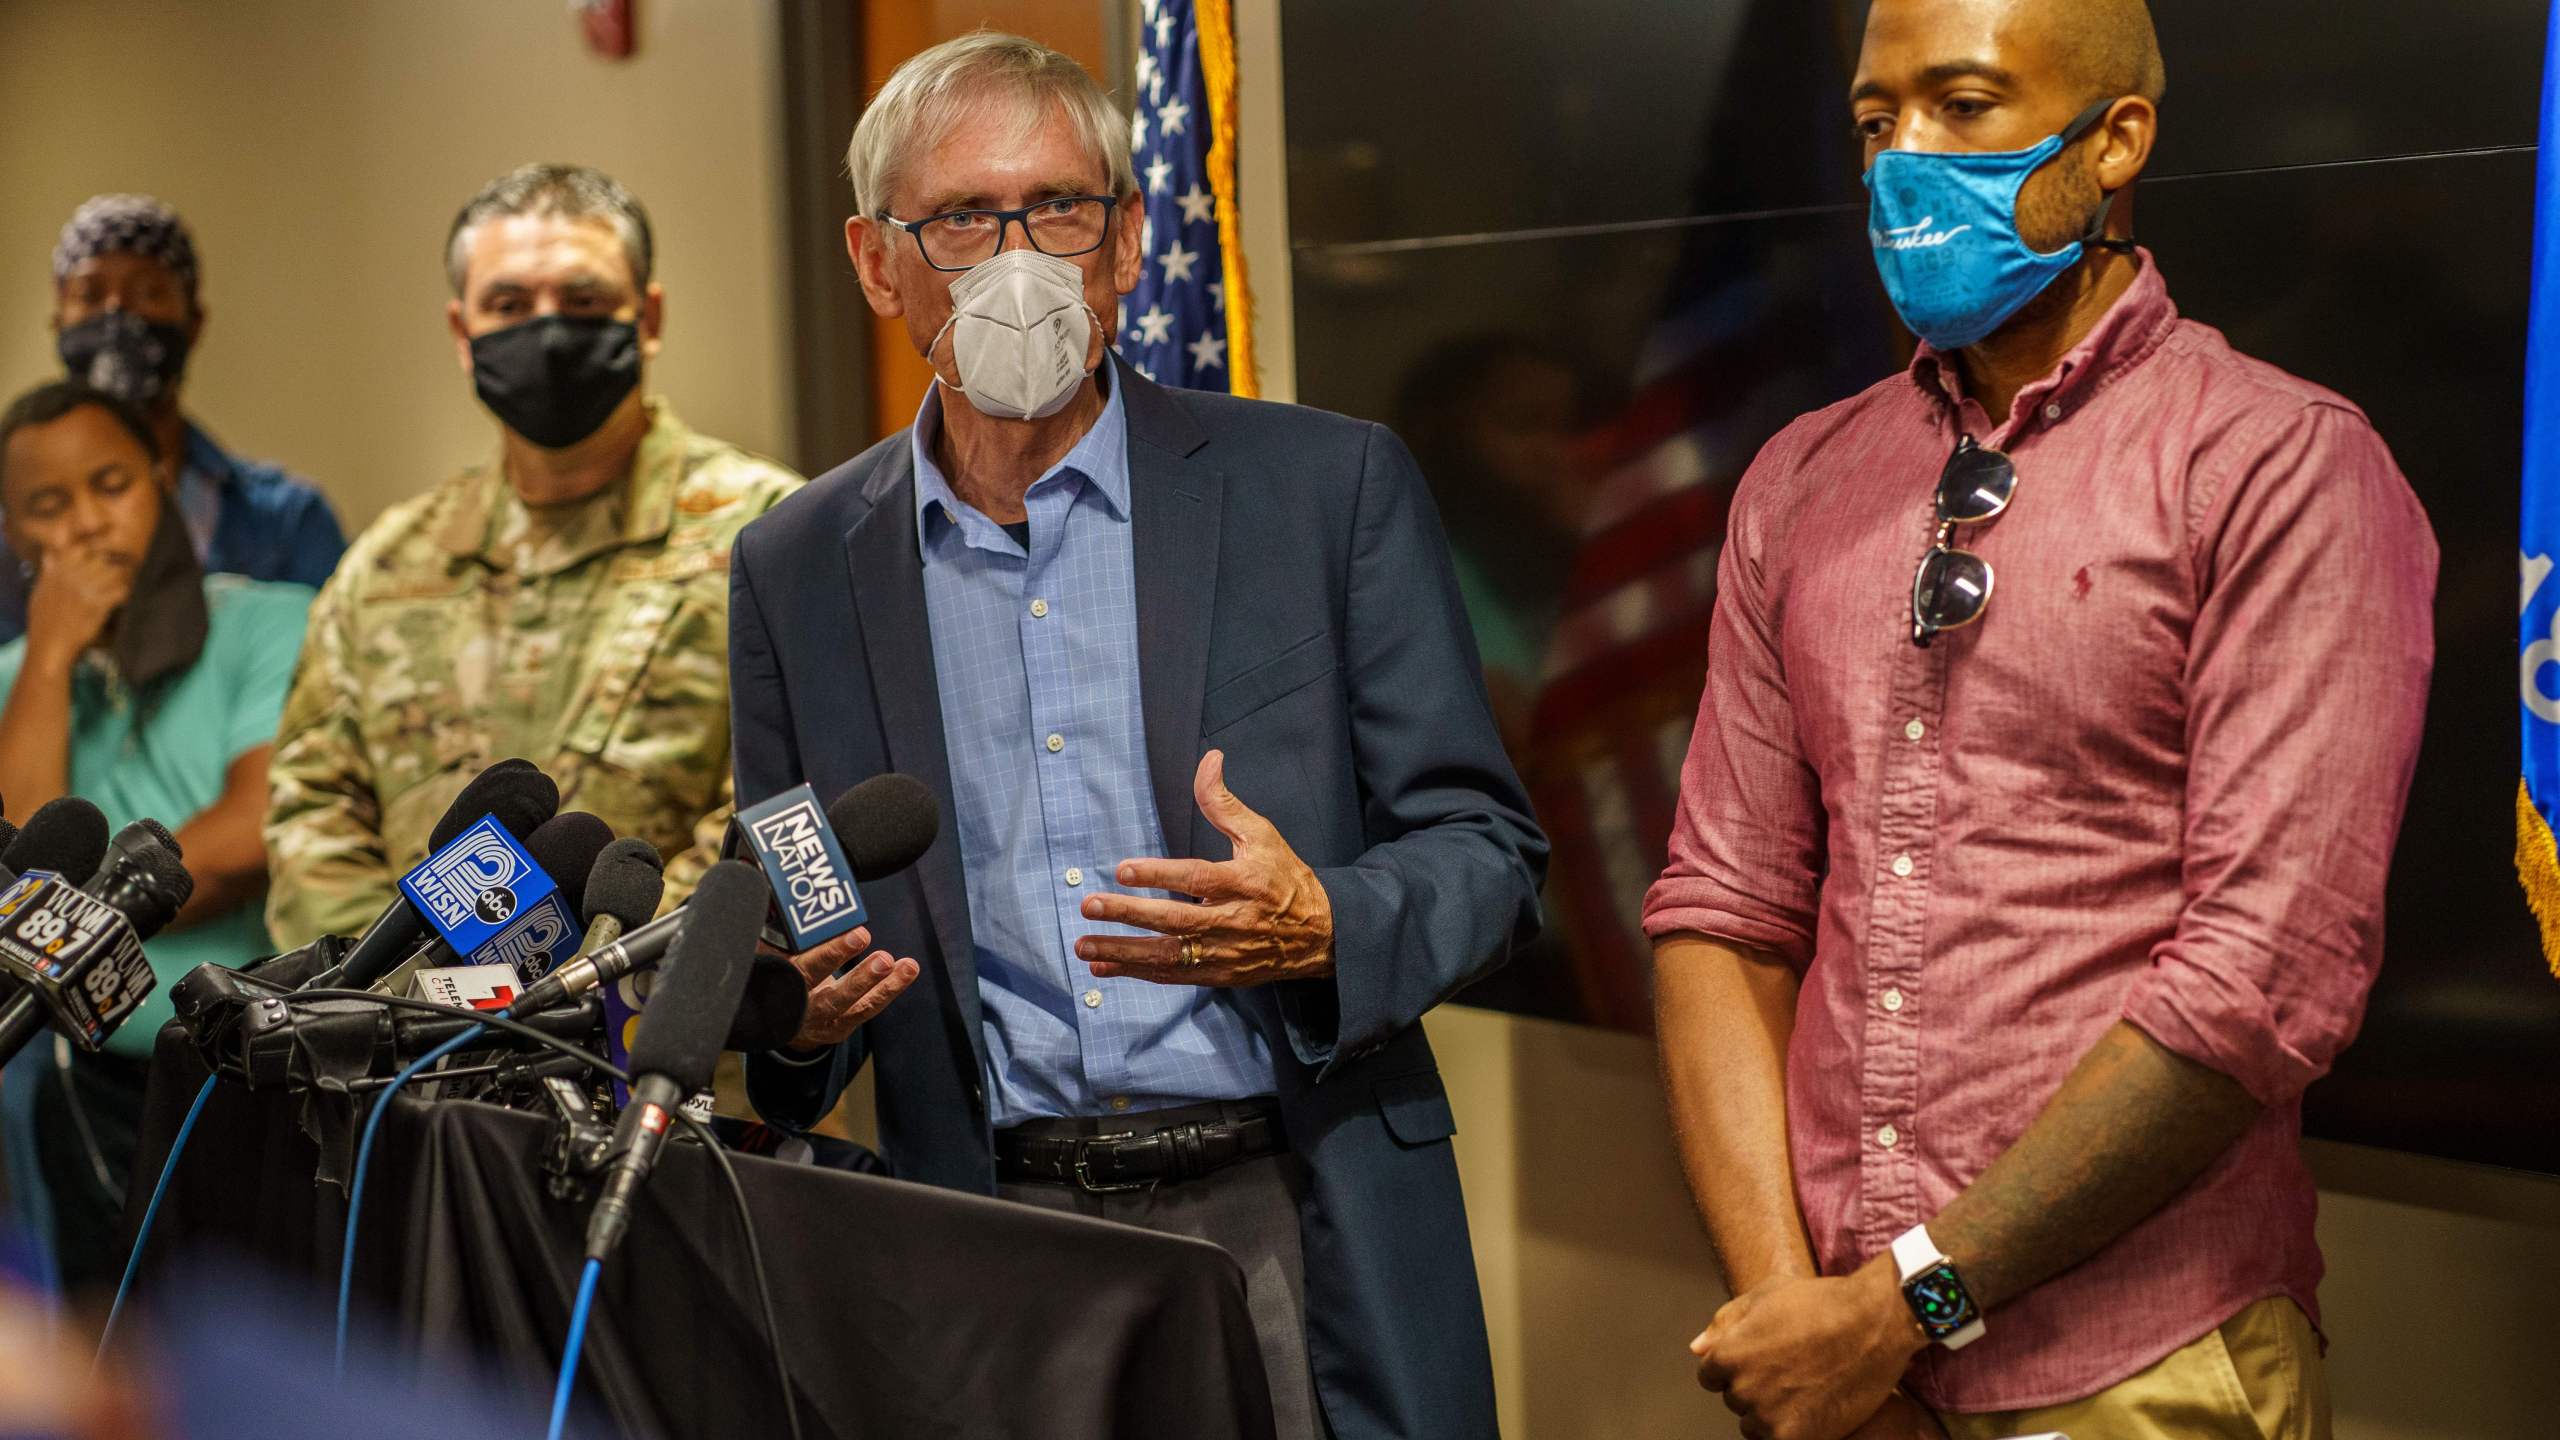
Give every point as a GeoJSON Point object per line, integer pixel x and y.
{"type": "Point", "coordinates": [464, 627]}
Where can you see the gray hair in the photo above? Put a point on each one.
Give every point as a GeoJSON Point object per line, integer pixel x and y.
{"type": "Point", "coordinates": [928, 95]}
{"type": "Point", "coordinates": [571, 192]}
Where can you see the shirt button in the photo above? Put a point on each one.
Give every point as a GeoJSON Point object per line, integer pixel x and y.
{"type": "Point", "coordinates": [1056, 743]}
{"type": "Point", "coordinates": [1888, 1137]}
{"type": "Point", "coordinates": [1119, 1102]}
{"type": "Point", "coordinates": [1901, 863]}
{"type": "Point", "coordinates": [1891, 999]}
{"type": "Point", "coordinates": [2053, 412]}
{"type": "Point", "coordinates": [1093, 999]}
{"type": "Point", "coordinates": [1075, 874]}
{"type": "Point", "coordinates": [1039, 609]}
{"type": "Point", "coordinates": [1914, 730]}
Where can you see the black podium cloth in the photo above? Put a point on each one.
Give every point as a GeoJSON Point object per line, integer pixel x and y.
{"type": "Point", "coordinates": [905, 1311]}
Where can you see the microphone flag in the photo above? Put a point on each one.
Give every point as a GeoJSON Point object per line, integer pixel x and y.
{"type": "Point", "coordinates": [485, 895]}
{"type": "Point", "coordinates": [2538, 793]}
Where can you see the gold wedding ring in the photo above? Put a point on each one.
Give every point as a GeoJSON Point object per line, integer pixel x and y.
{"type": "Point", "coordinates": [1190, 952]}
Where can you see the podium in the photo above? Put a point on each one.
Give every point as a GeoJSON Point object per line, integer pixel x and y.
{"type": "Point", "coordinates": [904, 1311]}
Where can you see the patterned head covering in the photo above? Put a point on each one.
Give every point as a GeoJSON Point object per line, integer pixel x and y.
{"type": "Point", "coordinates": [127, 225]}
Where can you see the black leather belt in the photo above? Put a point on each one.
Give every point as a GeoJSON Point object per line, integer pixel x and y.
{"type": "Point", "coordinates": [1135, 1152]}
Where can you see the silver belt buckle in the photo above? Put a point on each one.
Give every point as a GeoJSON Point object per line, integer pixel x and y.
{"type": "Point", "coordinates": [1083, 1165]}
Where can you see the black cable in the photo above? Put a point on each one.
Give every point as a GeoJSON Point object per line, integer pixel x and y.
{"type": "Point", "coordinates": [719, 1157]}
{"type": "Point", "coordinates": [493, 1021]}
{"type": "Point", "coordinates": [755, 1267]}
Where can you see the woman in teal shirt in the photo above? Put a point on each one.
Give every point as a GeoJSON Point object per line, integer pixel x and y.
{"type": "Point", "coordinates": [151, 689]}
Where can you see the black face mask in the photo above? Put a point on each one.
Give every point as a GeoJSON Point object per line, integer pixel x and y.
{"type": "Point", "coordinates": [555, 379]}
{"type": "Point", "coordinates": [161, 629]}
{"type": "Point", "coordinates": [125, 355]}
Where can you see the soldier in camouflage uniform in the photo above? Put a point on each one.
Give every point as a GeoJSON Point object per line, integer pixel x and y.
{"type": "Point", "coordinates": [567, 603]}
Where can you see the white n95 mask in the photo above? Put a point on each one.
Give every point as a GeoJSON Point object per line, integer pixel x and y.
{"type": "Point", "coordinates": [1019, 328]}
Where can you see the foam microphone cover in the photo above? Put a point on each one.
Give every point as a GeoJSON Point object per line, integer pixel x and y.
{"type": "Point", "coordinates": [132, 837]}
{"type": "Point", "coordinates": [67, 836]}
{"type": "Point", "coordinates": [777, 1000]}
{"type": "Point", "coordinates": [566, 847]}
{"type": "Point", "coordinates": [626, 882]}
{"type": "Point", "coordinates": [521, 796]}
{"type": "Point", "coordinates": [8, 836]}
{"type": "Point", "coordinates": [148, 884]}
{"type": "Point", "coordinates": [885, 824]}
{"type": "Point", "coordinates": [703, 977]}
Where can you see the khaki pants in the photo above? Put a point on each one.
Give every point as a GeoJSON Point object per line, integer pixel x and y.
{"type": "Point", "coordinates": [2258, 1377]}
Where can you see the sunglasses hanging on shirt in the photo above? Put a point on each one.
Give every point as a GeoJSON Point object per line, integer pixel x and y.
{"type": "Point", "coordinates": [1953, 587]}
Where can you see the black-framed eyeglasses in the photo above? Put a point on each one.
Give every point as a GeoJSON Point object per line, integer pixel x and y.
{"type": "Point", "coordinates": [1066, 226]}
{"type": "Point", "coordinates": [1953, 587]}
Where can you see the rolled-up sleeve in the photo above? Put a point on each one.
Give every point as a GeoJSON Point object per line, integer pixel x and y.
{"type": "Point", "coordinates": [2307, 684]}
{"type": "Point", "coordinates": [1746, 843]}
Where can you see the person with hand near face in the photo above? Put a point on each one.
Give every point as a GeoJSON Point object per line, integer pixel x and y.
{"type": "Point", "coordinates": [128, 313]}
{"type": "Point", "coordinates": [152, 689]}
{"type": "Point", "coordinates": [2004, 924]}
{"type": "Point", "coordinates": [566, 602]}
{"type": "Point", "coordinates": [1191, 677]}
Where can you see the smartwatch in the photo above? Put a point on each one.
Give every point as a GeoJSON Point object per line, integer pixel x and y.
{"type": "Point", "coordinates": [1935, 1292]}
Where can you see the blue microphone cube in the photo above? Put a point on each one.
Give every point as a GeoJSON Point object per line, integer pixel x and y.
{"type": "Point", "coordinates": [476, 890]}
{"type": "Point", "coordinates": [813, 890]}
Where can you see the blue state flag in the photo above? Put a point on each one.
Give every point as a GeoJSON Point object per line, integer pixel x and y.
{"type": "Point", "coordinates": [2537, 864]}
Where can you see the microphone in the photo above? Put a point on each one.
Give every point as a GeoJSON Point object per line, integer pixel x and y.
{"type": "Point", "coordinates": [77, 953]}
{"type": "Point", "coordinates": [623, 889]}
{"type": "Point", "coordinates": [137, 836]}
{"type": "Point", "coordinates": [680, 1034]}
{"type": "Point", "coordinates": [8, 837]}
{"type": "Point", "coordinates": [67, 836]}
{"type": "Point", "coordinates": [769, 1014]}
{"type": "Point", "coordinates": [563, 849]}
{"type": "Point", "coordinates": [884, 824]}
{"type": "Point", "coordinates": [513, 792]}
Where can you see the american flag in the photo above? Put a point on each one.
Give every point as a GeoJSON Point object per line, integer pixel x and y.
{"type": "Point", "coordinates": [1175, 322]}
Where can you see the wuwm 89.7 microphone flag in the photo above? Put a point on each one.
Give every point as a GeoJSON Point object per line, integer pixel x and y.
{"type": "Point", "coordinates": [2537, 864]}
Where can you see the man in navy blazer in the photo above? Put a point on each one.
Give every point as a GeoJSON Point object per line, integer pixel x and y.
{"type": "Point", "coordinates": [1225, 811]}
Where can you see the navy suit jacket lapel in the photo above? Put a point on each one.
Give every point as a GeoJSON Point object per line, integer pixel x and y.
{"type": "Point", "coordinates": [897, 643]}
{"type": "Point", "coordinates": [1175, 505]}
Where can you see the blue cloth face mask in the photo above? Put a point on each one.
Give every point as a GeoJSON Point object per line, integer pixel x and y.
{"type": "Point", "coordinates": [1945, 229]}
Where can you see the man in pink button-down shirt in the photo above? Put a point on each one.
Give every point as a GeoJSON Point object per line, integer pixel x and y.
{"type": "Point", "coordinates": [1991, 970]}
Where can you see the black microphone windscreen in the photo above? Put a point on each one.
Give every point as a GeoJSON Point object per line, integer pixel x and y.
{"type": "Point", "coordinates": [703, 977]}
{"type": "Point", "coordinates": [131, 835]}
{"type": "Point", "coordinates": [626, 882]}
{"type": "Point", "coordinates": [777, 1000]}
{"type": "Point", "coordinates": [885, 824]}
{"type": "Point", "coordinates": [8, 836]}
{"type": "Point", "coordinates": [566, 847]}
{"type": "Point", "coordinates": [521, 796]}
{"type": "Point", "coordinates": [150, 884]}
{"type": "Point", "coordinates": [67, 836]}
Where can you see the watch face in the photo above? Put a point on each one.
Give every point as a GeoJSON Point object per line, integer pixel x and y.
{"type": "Point", "coordinates": [1939, 1301]}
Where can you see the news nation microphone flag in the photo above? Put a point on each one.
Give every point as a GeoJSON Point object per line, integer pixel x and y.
{"type": "Point", "coordinates": [2537, 864]}
{"type": "Point", "coordinates": [1189, 322]}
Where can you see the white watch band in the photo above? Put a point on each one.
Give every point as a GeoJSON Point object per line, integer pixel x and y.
{"type": "Point", "coordinates": [1915, 1254]}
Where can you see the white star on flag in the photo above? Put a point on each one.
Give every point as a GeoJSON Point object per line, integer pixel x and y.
{"type": "Point", "coordinates": [1149, 7]}
{"type": "Point", "coordinates": [1178, 263]}
{"type": "Point", "coordinates": [1155, 327]}
{"type": "Point", "coordinates": [1171, 114]}
{"type": "Point", "coordinates": [1199, 207]}
{"type": "Point", "coordinates": [1157, 174]}
{"type": "Point", "coordinates": [1164, 30]}
{"type": "Point", "coordinates": [1206, 351]}
{"type": "Point", "coordinates": [1218, 293]}
{"type": "Point", "coordinates": [1149, 75]}
{"type": "Point", "coordinates": [1137, 130]}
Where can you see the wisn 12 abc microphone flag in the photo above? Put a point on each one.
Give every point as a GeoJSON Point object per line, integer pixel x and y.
{"type": "Point", "coordinates": [1190, 321]}
{"type": "Point", "coordinates": [489, 900]}
{"type": "Point", "coordinates": [2538, 794]}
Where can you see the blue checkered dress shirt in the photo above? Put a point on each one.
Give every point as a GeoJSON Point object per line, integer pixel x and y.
{"type": "Point", "coordinates": [1037, 658]}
